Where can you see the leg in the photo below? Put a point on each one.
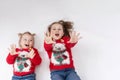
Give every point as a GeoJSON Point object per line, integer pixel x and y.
{"type": "Point", "coordinates": [29, 77]}
{"type": "Point", "coordinates": [15, 78]}
{"type": "Point", "coordinates": [57, 75]}
{"type": "Point", "coordinates": [72, 75]}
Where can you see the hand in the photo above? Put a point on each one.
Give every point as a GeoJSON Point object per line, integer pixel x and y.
{"type": "Point", "coordinates": [12, 49]}
{"type": "Point", "coordinates": [74, 37]}
{"type": "Point", "coordinates": [48, 38]}
{"type": "Point", "coordinates": [31, 54]}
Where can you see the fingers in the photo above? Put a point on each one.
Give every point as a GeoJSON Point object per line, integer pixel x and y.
{"type": "Point", "coordinates": [74, 37]}
{"type": "Point", "coordinates": [12, 49]}
{"type": "Point", "coordinates": [48, 38]}
{"type": "Point", "coordinates": [13, 46]}
{"type": "Point", "coordinates": [47, 34]}
{"type": "Point", "coordinates": [32, 51]}
{"type": "Point", "coordinates": [78, 36]}
{"type": "Point", "coordinates": [31, 54]}
{"type": "Point", "coordinates": [70, 33]}
{"type": "Point", "coordinates": [74, 33]}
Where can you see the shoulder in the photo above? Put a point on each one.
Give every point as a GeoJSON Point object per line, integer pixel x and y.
{"type": "Point", "coordinates": [35, 49]}
{"type": "Point", "coordinates": [17, 49]}
{"type": "Point", "coordinates": [66, 38]}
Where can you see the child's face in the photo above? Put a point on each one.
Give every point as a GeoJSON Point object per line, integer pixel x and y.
{"type": "Point", "coordinates": [27, 41]}
{"type": "Point", "coordinates": [56, 31]}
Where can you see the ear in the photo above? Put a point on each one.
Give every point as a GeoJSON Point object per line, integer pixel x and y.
{"type": "Point", "coordinates": [20, 34]}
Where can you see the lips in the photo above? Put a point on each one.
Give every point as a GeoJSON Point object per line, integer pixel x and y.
{"type": "Point", "coordinates": [26, 45]}
{"type": "Point", "coordinates": [57, 35]}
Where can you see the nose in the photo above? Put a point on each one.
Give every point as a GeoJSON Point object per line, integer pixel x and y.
{"type": "Point", "coordinates": [23, 55]}
{"type": "Point", "coordinates": [27, 41]}
{"type": "Point", "coordinates": [59, 48]}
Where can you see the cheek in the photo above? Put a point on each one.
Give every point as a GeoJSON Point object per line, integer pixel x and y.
{"type": "Point", "coordinates": [21, 42]}
{"type": "Point", "coordinates": [31, 43]}
{"type": "Point", "coordinates": [62, 33]}
{"type": "Point", "coordinates": [52, 33]}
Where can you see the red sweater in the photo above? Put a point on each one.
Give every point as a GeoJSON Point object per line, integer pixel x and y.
{"type": "Point", "coordinates": [21, 65]}
{"type": "Point", "coordinates": [56, 61]}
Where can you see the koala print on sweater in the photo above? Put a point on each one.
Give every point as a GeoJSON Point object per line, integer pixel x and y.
{"type": "Point", "coordinates": [22, 64]}
{"type": "Point", "coordinates": [59, 54]}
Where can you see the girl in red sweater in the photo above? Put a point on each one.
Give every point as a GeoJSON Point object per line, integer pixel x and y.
{"type": "Point", "coordinates": [58, 43]}
{"type": "Point", "coordinates": [25, 58]}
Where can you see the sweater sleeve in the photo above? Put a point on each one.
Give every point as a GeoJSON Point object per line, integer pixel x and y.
{"type": "Point", "coordinates": [11, 58]}
{"type": "Point", "coordinates": [37, 59]}
{"type": "Point", "coordinates": [47, 47]}
{"type": "Point", "coordinates": [69, 45]}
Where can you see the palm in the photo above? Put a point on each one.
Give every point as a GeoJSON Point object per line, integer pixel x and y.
{"type": "Point", "coordinates": [74, 37]}
{"type": "Point", "coordinates": [31, 54]}
{"type": "Point", "coordinates": [48, 38]}
{"type": "Point", "coordinates": [12, 49]}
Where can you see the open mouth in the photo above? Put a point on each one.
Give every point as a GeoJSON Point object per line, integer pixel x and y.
{"type": "Point", "coordinates": [57, 35]}
{"type": "Point", "coordinates": [26, 45]}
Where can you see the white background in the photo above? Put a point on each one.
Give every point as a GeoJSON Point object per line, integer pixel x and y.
{"type": "Point", "coordinates": [97, 54]}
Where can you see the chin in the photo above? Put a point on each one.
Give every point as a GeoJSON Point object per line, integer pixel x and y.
{"type": "Point", "coordinates": [57, 38]}
{"type": "Point", "coordinates": [25, 47]}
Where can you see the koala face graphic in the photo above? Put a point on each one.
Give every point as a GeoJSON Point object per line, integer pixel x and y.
{"type": "Point", "coordinates": [22, 63]}
{"type": "Point", "coordinates": [59, 55]}
{"type": "Point", "coordinates": [59, 47]}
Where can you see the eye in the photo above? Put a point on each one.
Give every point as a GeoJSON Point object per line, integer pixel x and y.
{"type": "Point", "coordinates": [59, 29]}
{"type": "Point", "coordinates": [54, 29]}
{"type": "Point", "coordinates": [25, 39]}
{"type": "Point", "coordinates": [31, 40]}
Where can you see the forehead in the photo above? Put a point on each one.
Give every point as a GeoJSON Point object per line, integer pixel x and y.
{"type": "Point", "coordinates": [27, 36]}
{"type": "Point", "coordinates": [56, 26]}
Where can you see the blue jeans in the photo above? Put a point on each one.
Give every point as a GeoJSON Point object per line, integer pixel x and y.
{"type": "Point", "coordinates": [26, 77]}
{"type": "Point", "coordinates": [66, 74]}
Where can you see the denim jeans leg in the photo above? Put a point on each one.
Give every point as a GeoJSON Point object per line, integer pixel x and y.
{"type": "Point", "coordinates": [72, 75]}
{"type": "Point", "coordinates": [27, 77]}
{"type": "Point", "coordinates": [57, 75]}
{"type": "Point", "coordinates": [15, 78]}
